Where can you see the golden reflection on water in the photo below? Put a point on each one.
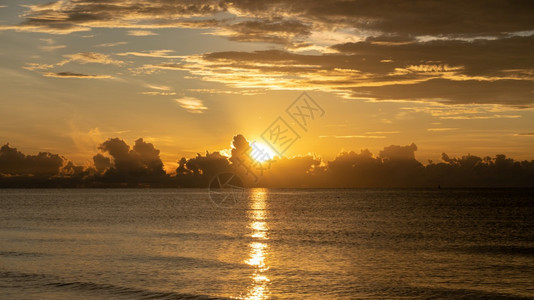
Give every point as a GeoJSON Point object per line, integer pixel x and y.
{"type": "Point", "coordinates": [258, 247]}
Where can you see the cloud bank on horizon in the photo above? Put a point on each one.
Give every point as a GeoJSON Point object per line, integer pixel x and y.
{"type": "Point", "coordinates": [119, 165]}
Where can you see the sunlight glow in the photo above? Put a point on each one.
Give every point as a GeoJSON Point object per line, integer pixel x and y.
{"type": "Point", "coordinates": [261, 152]}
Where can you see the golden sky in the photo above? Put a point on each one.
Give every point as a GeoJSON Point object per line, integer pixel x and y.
{"type": "Point", "coordinates": [450, 76]}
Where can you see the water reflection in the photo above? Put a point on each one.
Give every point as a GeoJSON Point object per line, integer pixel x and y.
{"type": "Point", "coordinates": [258, 247]}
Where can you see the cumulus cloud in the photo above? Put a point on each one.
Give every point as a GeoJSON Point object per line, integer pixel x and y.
{"type": "Point", "coordinates": [396, 152]}
{"type": "Point", "coordinates": [141, 161]}
{"type": "Point", "coordinates": [191, 104]}
{"type": "Point", "coordinates": [14, 162]}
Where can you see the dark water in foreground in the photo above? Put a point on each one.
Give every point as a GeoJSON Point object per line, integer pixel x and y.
{"type": "Point", "coordinates": [321, 244]}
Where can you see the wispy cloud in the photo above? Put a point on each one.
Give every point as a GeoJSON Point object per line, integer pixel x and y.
{"type": "Point", "coordinates": [151, 53]}
{"type": "Point", "coordinates": [75, 75]}
{"type": "Point", "coordinates": [37, 66]}
{"type": "Point", "coordinates": [52, 48]}
{"type": "Point", "coordinates": [352, 136]}
{"type": "Point", "coordinates": [442, 129]}
{"type": "Point", "coordinates": [192, 104]}
{"type": "Point", "coordinates": [159, 93]}
{"type": "Point", "coordinates": [141, 33]}
{"type": "Point", "coordinates": [111, 44]}
{"type": "Point", "coordinates": [89, 57]}
{"type": "Point", "coordinates": [50, 45]}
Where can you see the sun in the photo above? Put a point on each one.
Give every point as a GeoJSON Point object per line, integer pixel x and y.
{"type": "Point", "coordinates": [261, 152]}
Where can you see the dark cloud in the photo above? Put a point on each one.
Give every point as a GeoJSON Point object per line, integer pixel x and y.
{"type": "Point", "coordinates": [455, 52]}
{"type": "Point", "coordinates": [404, 18]}
{"type": "Point", "coordinates": [140, 166]}
{"type": "Point", "coordinates": [14, 162]}
{"type": "Point", "coordinates": [142, 162]}
{"type": "Point", "coordinates": [499, 57]}
{"type": "Point", "coordinates": [506, 92]}
{"type": "Point", "coordinates": [63, 17]}
{"type": "Point", "coordinates": [452, 72]}
{"type": "Point", "coordinates": [74, 75]}
{"type": "Point", "coordinates": [208, 165]}
{"type": "Point", "coordinates": [271, 31]}
{"type": "Point", "coordinates": [396, 152]}
{"type": "Point", "coordinates": [422, 17]}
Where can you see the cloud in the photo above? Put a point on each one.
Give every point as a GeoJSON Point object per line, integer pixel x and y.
{"type": "Point", "coordinates": [111, 44]}
{"type": "Point", "coordinates": [14, 162]}
{"type": "Point", "coordinates": [191, 104]}
{"type": "Point", "coordinates": [447, 71]}
{"type": "Point", "coordinates": [468, 111]}
{"type": "Point", "coordinates": [288, 21]}
{"type": "Point", "coordinates": [159, 93]}
{"type": "Point", "coordinates": [396, 152]}
{"type": "Point", "coordinates": [141, 33]}
{"type": "Point", "coordinates": [151, 53]}
{"type": "Point", "coordinates": [37, 66]}
{"type": "Point", "coordinates": [286, 32]}
{"type": "Point", "coordinates": [89, 57]}
{"type": "Point", "coordinates": [52, 48]}
{"type": "Point", "coordinates": [442, 129]}
{"type": "Point", "coordinates": [75, 75]}
{"type": "Point", "coordinates": [162, 90]}
{"type": "Point", "coordinates": [158, 87]}
{"type": "Point", "coordinates": [353, 136]}
{"type": "Point", "coordinates": [455, 52]}
{"type": "Point", "coordinates": [119, 165]}
{"type": "Point", "coordinates": [141, 161]}
{"type": "Point", "coordinates": [62, 17]}
{"type": "Point", "coordinates": [50, 45]}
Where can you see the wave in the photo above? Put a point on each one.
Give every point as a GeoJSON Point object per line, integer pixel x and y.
{"type": "Point", "coordinates": [44, 281]}
{"type": "Point", "coordinates": [24, 254]}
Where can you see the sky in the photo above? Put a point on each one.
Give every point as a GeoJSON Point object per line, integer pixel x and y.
{"type": "Point", "coordinates": [187, 76]}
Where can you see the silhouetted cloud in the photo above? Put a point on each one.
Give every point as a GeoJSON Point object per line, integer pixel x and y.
{"type": "Point", "coordinates": [14, 162]}
{"type": "Point", "coordinates": [396, 152]}
{"type": "Point", "coordinates": [139, 164]}
{"type": "Point", "coordinates": [101, 163]}
{"type": "Point", "coordinates": [120, 165]}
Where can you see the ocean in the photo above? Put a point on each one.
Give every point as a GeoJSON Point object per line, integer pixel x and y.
{"type": "Point", "coordinates": [267, 244]}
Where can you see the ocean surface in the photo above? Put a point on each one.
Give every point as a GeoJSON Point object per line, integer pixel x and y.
{"type": "Point", "coordinates": [267, 244]}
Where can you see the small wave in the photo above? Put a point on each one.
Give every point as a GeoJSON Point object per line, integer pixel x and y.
{"type": "Point", "coordinates": [54, 282]}
{"type": "Point", "coordinates": [503, 250]}
{"type": "Point", "coordinates": [24, 254]}
{"type": "Point", "coordinates": [200, 235]}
